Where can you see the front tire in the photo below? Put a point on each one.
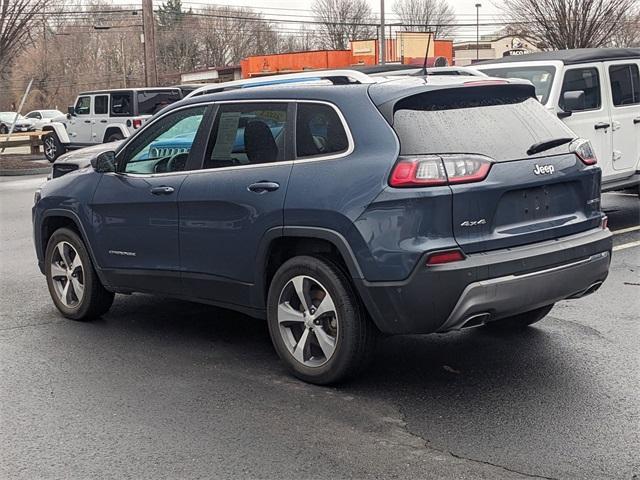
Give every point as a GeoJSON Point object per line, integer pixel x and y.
{"type": "Point", "coordinates": [520, 321]}
{"type": "Point", "coordinates": [317, 323]}
{"type": "Point", "coordinates": [4, 129]}
{"type": "Point", "coordinates": [53, 147]}
{"type": "Point", "coordinates": [73, 283]}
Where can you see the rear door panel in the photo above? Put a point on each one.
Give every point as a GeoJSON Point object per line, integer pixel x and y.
{"type": "Point", "coordinates": [625, 112]}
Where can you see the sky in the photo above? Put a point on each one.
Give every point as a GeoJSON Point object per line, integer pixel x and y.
{"type": "Point", "coordinates": [465, 11]}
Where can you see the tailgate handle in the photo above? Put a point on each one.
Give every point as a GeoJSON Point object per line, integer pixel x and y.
{"type": "Point", "coordinates": [601, 125]}
{"type": "Point", "coordinates": [636, 120]}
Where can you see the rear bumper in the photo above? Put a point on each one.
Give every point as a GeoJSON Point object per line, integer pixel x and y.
{"type": "Point", "coordinates": [489, 286]}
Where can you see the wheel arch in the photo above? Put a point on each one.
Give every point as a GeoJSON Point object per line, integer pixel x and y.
{"type": "Point", "coordinates": [59, 129]}
{"type": "Point", "coordinates": [281, 244]}
{"type": "Point", "coordinates": [115, 128]}
{"type": "Point", "coordinates": [58, 218]}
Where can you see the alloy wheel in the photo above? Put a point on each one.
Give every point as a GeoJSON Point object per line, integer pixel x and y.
{"type": "Point", "coordinates": [67, 274]}
{"type": "Point", "coordinates": [49, 147]}
{"type": "Point", "coordinates": [308, 321]}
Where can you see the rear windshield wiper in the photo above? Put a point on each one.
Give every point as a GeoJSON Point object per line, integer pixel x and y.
{"type": "Point", "coordinates": [547, 145]}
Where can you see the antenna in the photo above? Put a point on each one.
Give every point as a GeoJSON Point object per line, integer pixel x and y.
{"type": "Point", "coordinates": [426, 55]}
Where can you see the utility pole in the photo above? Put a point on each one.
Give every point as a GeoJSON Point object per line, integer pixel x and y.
{"type": "Point", "coordinates": [478, 31]}
{"type": "Point", "coordinates": [124, 63]}
{"type": "Point", "coordinates": [383, 43]}
{"type": "Point", "coordinates": [149, 34]}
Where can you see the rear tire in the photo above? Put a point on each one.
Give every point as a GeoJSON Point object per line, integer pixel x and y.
{"type": "Point", "coordinates": [73, 283]}
{"type": "Point", "coordinates": [114, 137]}
{"type": "Point", "coordinates": [3, 130]}
{"type": "Point", "coordinates": [52, 146]}
{"type": "Point", "coordinates": [327, 339]}
{"type": "Point", "coordinates": [520, 321]}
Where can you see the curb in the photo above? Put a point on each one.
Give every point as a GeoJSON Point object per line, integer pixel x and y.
{"type": "Point", "coordinates": [24, 171]}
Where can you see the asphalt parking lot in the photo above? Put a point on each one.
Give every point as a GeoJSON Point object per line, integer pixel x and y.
{"type": "Point", "coordinates": [160, 388]}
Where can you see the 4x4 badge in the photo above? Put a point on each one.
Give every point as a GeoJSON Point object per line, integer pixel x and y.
{"type": "Point", "coordinates": [473, 223]}
{"type": "Point", "coordinates": [543, 169]}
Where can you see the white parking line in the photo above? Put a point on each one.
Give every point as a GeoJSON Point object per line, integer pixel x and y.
{"type": "Point", "coordinates": [624, 246]}
{"type": "Point", "coordinates": [625, 230]}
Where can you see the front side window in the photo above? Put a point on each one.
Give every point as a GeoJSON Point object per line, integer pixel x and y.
{"type": "Point", "coordinates": [319, 131]}
{"type": "Point", "coordinates": [121, 104]}
{"type": "Point", "coordinates": [582, 79]}
{"type": "Point", "coordinates": [35, 115]}
{"type": "Point", "coordinates": [100, 104]}
{"type": "Point", "coordinates": [165, 145]}
{"type": "Point", "coordinates": [246, 134]}
{"type": "Point", "coordinates": [83, 106]}
{"type": "Point", "coordinates": [625, 84]}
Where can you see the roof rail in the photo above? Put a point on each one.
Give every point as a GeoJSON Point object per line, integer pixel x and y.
{"type": "Point", "coordinates": [340, 77]}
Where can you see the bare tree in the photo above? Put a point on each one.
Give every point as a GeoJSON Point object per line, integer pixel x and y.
{"type": "Point", "coordinates": [436, 16]}
{"type": "Point", "coordinates": [561, 24]}
{"type": "Point", "coordinates": [342, 21]}
{"type": "Point", "coordinates": [628, 35]}
{"type": "Point", "coordinates": [17, 18]}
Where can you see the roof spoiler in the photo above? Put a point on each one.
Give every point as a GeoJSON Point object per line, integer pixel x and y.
{"type": "Point", "coordinates": [337, 77]}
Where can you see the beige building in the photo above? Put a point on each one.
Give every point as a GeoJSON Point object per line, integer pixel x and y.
{"type": "Point", "coordinates": [490, 48]}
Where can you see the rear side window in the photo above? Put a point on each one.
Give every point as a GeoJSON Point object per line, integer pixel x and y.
{"type": "Point", "coordinates": [151, 102]}
{"type": "Point", "coordinates": [121, 104]}
{"type": "Point", "coordinates": [100, 104]}
{"type": "Point", "coordinates": [582, 79]}
{"type": "Point", "coordinates": [319, 131]}
{"type": "Point", "coordinates": [625, 84]}
{"type": "Point", "coordinates": [493, 121]}
{"type": "Point", "coordinates": [248, 134]}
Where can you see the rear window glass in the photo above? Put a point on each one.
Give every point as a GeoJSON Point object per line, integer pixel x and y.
{"type": "Point", "coordinates": [319, 131]}
{"type": "Point", "coordinates": [121, 104]}
{"type": "Point", "coordinates": [540, 76]}
{"type": "Point", "coordinates": [150, 102]}
{"type": "Point", "coordinates": [480, 120]}
{"type": "Point", "coordinates": [625, 84]}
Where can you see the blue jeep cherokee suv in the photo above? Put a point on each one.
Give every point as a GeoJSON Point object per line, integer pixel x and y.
{"type": "Point", "coordinates": [394, 206]}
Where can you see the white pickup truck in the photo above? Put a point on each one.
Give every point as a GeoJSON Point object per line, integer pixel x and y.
{"type": "Point", "coordinates": [104, 116]}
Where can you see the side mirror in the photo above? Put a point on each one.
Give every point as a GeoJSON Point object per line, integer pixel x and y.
{"type": "Point", "coordinates": [71, 111]}
{"type": "Point", "coordinates": [571, 101]}
{"type": "Point", "coordinates": [105, 162]}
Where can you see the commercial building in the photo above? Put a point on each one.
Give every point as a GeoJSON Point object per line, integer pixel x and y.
{"type": "Point", "coordinates": [489, 48]}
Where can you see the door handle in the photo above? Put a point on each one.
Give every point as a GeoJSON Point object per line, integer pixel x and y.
{"type": "Point", "coordinates": [163, 190]}
{"type": "Point", "coordinates": [263, 186]}
{"type": "Point", "coordinates": [103, 121]}
{"type": "Point", "coordinates": [87, 121]}
{"type": "Point", "coordinates": [636, 120]}
{"type": "Point", "coordinates": [601, 125]}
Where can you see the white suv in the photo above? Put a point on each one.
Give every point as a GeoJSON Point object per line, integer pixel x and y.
{"type": "Point", "coordinates": [104, 116]}
{"type": "Point", "coordinates": [596, 93]}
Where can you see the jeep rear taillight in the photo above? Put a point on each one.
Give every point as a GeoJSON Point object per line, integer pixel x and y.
{"type": "Point", "coordinates": [432, 170]}
{"type": "Point", "coordinates": [137, 122]}
{"type": "Point", "coordinates": [584, 151]}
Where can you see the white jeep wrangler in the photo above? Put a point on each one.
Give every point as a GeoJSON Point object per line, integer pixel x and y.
{"type": "Point", "coordinates": [104, 116]}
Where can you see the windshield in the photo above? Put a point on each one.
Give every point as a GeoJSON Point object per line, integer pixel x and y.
{"type": "Point", "coordinates": [51, 113]}
{"type": "Point", "coordinates": [540, 76]}
{"type": "Point", "coordinates": [9, 116]}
